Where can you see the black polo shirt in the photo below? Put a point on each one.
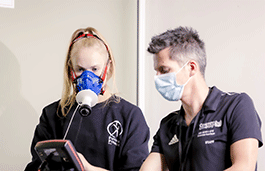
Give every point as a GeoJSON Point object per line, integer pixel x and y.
{"type": "Point", "coordinates": [224, 119]}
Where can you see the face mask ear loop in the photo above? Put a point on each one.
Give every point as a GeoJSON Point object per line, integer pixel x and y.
{"type": "Point", "coordinates": [187, 81]}
{"type": "Point", "coordinates": [181, 69]}
{"type": "Point", "coordinates": [189, 78]}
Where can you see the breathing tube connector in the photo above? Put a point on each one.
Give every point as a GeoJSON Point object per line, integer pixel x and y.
{"type": "Point", "coordinates": [86, 99]}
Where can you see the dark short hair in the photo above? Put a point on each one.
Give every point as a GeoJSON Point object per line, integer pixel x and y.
{"type": "Point", "coordinates": [184, 44]}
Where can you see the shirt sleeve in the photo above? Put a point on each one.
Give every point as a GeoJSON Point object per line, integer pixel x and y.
{"type": "Point", "coordinates": [42, 132]}
{"type": "Point", "coordinates": [135, 147]}
{"type": "Point", "coordinates": [156, 144]}
{"type": "Point", "coordinates": [166, 125]}
{"type": "Point", "coordinates": [244, 120]}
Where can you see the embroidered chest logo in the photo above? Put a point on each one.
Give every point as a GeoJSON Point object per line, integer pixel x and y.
{"type": "Point", "coordinates": [211, 124]}
{"type": "Point", "coordinates": [207, 129]}
{"type": "Point", "coordinates": [174, 140]}
{"type": "Point", "coordinates": [115, 130]}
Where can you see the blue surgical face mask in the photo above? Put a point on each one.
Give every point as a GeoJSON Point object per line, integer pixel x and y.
{"type": "Point", "coordinates": [89, 81]}
{"type": "Point", "coordinates": [168, 87]}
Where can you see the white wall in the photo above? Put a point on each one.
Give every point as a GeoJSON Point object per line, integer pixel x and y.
{"type": "Point", "coordinates": [35, 34]}
{"type": "Point", "coordinates": [34, 37]}
{"type": "Point", "coordinates": [234, 34]}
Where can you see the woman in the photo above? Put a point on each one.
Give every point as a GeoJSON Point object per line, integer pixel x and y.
{"type": "Point", "coordinates": [114, 136]}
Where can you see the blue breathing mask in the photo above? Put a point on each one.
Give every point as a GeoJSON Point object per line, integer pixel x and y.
{"type": "Point", "coordinates": [89, 81]}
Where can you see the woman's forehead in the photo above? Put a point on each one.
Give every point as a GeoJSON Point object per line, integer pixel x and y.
{"type": "Point", "coordinates": [89, 55]}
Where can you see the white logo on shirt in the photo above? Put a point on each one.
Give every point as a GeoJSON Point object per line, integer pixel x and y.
{"type": "Point", "coordinates": [174, 140]}
{"type": "Point", "coordinates": [115, 130]}
{"type": "Point", "coordinates": [209, 142]}
{"type": "Point", "coordinates": [206, 133]}
{"type": "Point", "coordinates": [211, 124]}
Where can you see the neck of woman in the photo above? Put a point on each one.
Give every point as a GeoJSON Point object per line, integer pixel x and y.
{"type": "Point", "coordinates": [105, 96]}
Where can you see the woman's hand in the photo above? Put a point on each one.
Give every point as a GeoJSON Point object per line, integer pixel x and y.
{"type": "Point", "coordinates": [87, 165]}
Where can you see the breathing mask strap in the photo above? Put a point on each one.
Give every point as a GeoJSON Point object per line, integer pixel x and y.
{"type": "Point", "coordinates": [103, 76]}
{"type": "Point", "coordinates": [88, 35]}
{"type": "Point", "coordinates": [73, 75]}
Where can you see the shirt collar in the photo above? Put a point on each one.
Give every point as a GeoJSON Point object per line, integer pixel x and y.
{"type": "Point", "coordinates": [210, 104]}
{"type": "Point", "coordinates": [212, 100]}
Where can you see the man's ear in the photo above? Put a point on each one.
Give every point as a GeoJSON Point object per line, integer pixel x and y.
{"type": "Point", "coordinates": [194, 67]}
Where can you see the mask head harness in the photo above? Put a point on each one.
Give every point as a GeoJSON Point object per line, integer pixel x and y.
{"type": "Point", "coordinates": [83, 80]}
{"type": "Point", "coordinates": [88, 84]}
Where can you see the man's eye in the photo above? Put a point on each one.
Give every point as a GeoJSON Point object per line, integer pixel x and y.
{"type": "Point", "coordinates": [164, 71]}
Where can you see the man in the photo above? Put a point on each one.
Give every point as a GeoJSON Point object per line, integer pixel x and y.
{"type": "Point", "coordinates": [213, 130]}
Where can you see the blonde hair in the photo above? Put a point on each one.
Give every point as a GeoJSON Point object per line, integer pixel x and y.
{"type": "Point", "coordinates": [69, 88]}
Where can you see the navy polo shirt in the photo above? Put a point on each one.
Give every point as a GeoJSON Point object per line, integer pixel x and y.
{"type": "Point", "coordinates": [224, 119]}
